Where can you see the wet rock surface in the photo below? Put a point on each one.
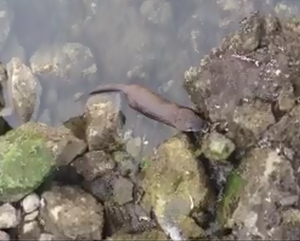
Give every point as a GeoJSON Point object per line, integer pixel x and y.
{"type": "Point", "coordinates": [127, 219]}
{"type": "Point", "coordinates": [103, 122]}
{"type": "Point", "coordinates": [71, 213]}
{"type": "Point", "coordinates": [257, 193]}
{"type": "Point", "coordinates": [25, 162]}
{"type": "Point", "coordinates": [9, 216]}
{"type": "Point", "coordinates": [250, 70]}
{"type": "Point", "coordinates": [94, 164]}
{"type": "Point", "coordinates": [251, 83]}
{"type": "Point", "coordinates": [6, 22]}
{"type": "Point", "coordinates": [24, 91]}
{"type": "Point", "coordinates": [30, 203]}
{"type": "Point", "coordinates": [64, 62]}
{"type": "Point", "coordinates": [4, 236]}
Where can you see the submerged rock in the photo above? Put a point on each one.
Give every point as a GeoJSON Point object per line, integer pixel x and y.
{"type": "Point", "coordinates": [157, 12]}
{"type": "Point", "coordinates": [174, 184]}
{"type": "Point", "coordinates": [71, 213]}
{"type": "Point", "coordinates": [6, 19]}
{"type": "Point", "coordinates": [68, 64]}
{"type": "Point", "coordinates": [24, 91]}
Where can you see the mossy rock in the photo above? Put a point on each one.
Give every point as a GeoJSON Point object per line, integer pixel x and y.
{"type": "Point", "coordinates": [25, 161]}
{"type": "Point", "coordinates": [234, 186]}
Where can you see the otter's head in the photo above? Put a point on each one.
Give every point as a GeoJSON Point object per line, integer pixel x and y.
{"type": "Point", "coordinates": [188, 121]}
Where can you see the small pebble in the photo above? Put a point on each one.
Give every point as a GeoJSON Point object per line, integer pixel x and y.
{"type": "Point", "coordinates": [4, 236]}
{"type": "Point", "coordinates": [31, 216]}
{"type": "Point", "coordinates": [9, 216]}
{"type": "Point", "coordinates": [30, 203]}
{"type": "Point", "coordinates": [46, 237]}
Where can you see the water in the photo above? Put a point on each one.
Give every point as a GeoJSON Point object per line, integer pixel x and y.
{"type": "Point", "coordinates": [149, 42]}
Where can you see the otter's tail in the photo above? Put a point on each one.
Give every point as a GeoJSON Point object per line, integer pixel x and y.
{"type": "Point", "coordinates": [100, 89]}
{"type": "Point", "coordinates": [108, 88]}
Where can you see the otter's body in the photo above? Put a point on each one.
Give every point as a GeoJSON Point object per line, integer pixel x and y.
{"type": "Point", "coordinates": [155, 107]}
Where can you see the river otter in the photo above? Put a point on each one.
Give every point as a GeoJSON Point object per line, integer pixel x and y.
{"type": "Point", "coordinates": [155, 107]}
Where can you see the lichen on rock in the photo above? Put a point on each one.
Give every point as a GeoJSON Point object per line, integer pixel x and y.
{"type": "Point", "coordinates": [25, 162]}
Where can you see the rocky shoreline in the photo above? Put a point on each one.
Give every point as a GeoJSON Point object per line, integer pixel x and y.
{"type": "Point", "coordinates": [240, 180]}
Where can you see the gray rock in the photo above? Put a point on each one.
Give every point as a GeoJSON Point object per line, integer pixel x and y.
{"type": "Point", "coordinates": [13, 48]}
{"type": "Point", "coordinates": [103, 122]}
{"type": "Point", "coordinates": [134, 146]}
{"type": "Point", "coordinates": [128, 218]}
{"type": "Point", "coordinates": [127, 164]}
{"type": "Point", "coordinates": [123, 190]}
{"type": "Point", "coordinates": [9, 216]}
{"type": "Point", "coordinates": [3, 83]}
{"type": "Point", "coordinates": [157, 12]}
{"type": "Point", "coordinates": [6, 19]}
{"type": "Point", "coordinates": [31, 216]}
{"type": "Point", "coordinates": [174, 184]}
{"type": "Point", "coordinates": [46, 237]}
{"type": "Point", "coordinates": [64, 63]}
{"type": "Point", "coordinates": [249, 74]}
{"type": "Point", "coordinates": [217, 147]}
{"type": "Point", "coordinates": [71, 213]}
{"type": "Point", "coordinates": [62, 143]}
{"type": "Point", "coordinates": [265, 180]}
{"type": "Point", "coordinates": [44, 147]}
{"type": "Point", "coordinates": [29, 231]}
{"type": "Point", "coordinates": [4, 236]}
{"type": "Point", "coordinates": [30, 203]}
{"type": "Point", "coordinates": [77, 126]}
{"type": "Point", "coordinates": [24, 90]}
{"type": "Point", "coordinates": [3, 73]}
{"type": "Point", "coordinates": [94, 164]}
{"type": "Point", "coordinates": [111, 187]}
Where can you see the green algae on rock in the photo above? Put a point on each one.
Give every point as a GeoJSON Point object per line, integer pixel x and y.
{"type": "Point", "coordinates": [175, 184]}
{"type": "Point", "coordinates": [25, 161]}
{"type": "Point", "coordinates": [262, 186]}
{"type": "Point", "coordinates": [234, 185]}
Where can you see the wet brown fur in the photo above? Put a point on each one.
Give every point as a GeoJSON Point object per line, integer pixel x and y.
{"type": "Point", "coordinates": [155, 107]}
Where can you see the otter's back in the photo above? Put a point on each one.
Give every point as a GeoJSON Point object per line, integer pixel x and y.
{"type": "Point", "coordinates": [149, 103]}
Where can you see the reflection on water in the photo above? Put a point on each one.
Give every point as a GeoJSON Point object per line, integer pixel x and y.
{"type": "Point", "coordinates": [74, 45]}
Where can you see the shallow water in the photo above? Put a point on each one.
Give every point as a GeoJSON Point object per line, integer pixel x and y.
{"type": "Point", "coordinates": [148, 42]}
